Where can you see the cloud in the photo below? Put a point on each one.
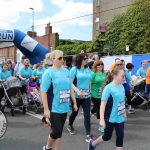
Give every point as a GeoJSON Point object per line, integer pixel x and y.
{"type": "Point", "coordinates": [59, 3]}
{"type": "Point", "coordinates": [10, 10]}
{"type": "Point", "coordinates": [68, 9]}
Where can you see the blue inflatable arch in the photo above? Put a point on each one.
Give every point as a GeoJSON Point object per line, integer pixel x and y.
{"type": "Point", "coordinates": [33, 50]}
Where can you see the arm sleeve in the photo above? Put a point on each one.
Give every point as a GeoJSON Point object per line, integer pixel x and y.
{"type": "Point", "coordinates": [9, 74]}
{"type": "Point", "coordinates": [148, 71]}
{"type": "Point", "coordinates": [73, 72]}
{"type": "Point", "coordinates": [93, 74]}
{"type": "Point", "coordinates": [138, 72]}
{"type": "Point", "coordinates": [46, 81]}
{"type": "Point", "coordinates": [20, 72]}
{"type": "Point", "coordinates": [106, 94]}
{"type": "Point", "coordinates": [70, 79]}
{"type": "Point", "coordinates": [34, 73]}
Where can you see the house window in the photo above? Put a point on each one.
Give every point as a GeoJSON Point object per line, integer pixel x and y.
{"type": "Point", "coordinates": [97, 23]}
{"type": "Point", "coordinates": [98, 2]}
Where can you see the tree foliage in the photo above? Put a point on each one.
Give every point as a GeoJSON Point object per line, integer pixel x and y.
{"type": "Point", "coordinates": [131, 28]}
{"type": "Point", "coordinates": [70, 49]}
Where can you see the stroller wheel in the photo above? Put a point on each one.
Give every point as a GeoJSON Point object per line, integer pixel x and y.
{"type": "Point", "coordinates": [2, 109]}
{"type": "Point", "coordinates": [24, 110]}
{"type": "Point", "coordinates": [12, 112]}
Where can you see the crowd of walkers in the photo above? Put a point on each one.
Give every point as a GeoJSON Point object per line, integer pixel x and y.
{"type": "Point", "coordinates": [84, 83]}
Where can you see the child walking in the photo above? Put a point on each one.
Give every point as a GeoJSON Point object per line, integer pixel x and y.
{"type": "Point", "coordinates": [112, 110]}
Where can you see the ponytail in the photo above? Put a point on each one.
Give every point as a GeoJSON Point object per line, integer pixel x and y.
{"type": "Point", "coordinates": [108, 79]}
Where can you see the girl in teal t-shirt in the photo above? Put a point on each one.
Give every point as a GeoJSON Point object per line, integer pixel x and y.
{"type": "Point", "coordinates": [98, 77]}
{"type": "Point", "coordinates": [112, 110]}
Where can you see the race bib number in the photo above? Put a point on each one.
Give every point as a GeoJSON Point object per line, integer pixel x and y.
{"type": "Point", "coordinates": [85, 93]}
{"type": "Point", "coordinates": [64, 96]}
{"type": "Point", "coordinates": [121, 108]}
{"type": "Point", "coordinates": [3, 124]}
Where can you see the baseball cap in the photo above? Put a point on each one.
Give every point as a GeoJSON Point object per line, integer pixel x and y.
{"type": "Point", "coordinates": [24, 57]}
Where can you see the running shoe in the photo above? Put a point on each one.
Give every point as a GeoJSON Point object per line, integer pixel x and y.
{"type": "Point", "coordinates": [44, 148]}
{"type": "Point", "coordinates": [90, 146]}
{"type": "Point", "coordinates": [45, 124]}
{"type": "Point", "coordinates": [100, 128]}
{"type": "Point", "coordinates": [130, 111]}
{"type": "Point", "coordinates": [71, 130]}
{"type": "Point", "coordinates": [88, 138]}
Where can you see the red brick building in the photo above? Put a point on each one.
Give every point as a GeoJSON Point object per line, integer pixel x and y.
{"type": "Point", "coordinates": [8, 50]}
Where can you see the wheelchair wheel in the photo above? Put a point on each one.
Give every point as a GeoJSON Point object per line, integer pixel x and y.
{"type": "Point", "coordinates": [3, 124]}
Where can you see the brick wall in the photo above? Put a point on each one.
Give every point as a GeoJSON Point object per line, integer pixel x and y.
{"type": "Point", "coordinates": [8, 52]}
{"type": "Point", "coordinates": [96, 10]}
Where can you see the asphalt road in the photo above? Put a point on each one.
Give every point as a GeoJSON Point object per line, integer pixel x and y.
{"type": "Point", "coordinates": [26, 132]}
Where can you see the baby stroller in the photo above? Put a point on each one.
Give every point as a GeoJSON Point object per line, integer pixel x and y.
{"type": "Point", "coordinates": [13, 98]}
{"type": "Point", "coordinates": [139, 96]}
{"type": "Point", "coordinates": [33, 101]}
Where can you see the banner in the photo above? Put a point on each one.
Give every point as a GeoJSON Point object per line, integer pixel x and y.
{"type": "Point", "coordinates": [6, 35]}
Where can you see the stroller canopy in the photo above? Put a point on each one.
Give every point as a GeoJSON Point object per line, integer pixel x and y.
{"type": "Point", "coordinates": [12, 82]}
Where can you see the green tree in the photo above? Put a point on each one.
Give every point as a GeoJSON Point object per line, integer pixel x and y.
{"type": "Point", "coordinates": [131, 28]}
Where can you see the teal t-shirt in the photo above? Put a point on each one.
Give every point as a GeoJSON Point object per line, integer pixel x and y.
{"type": "Point", "coordinates": [5, 75]}
{"type": "Point", "coordinates": [128, 75]}
{"type": "Point", "coordinates": [25, 73]}
{"type": "Point", "coordinates": [83, 80]}
{"type": "Point", "coordinates": [114, 96]}
{"type": "Point", "coordinates": [57, 85]}
{"type": "Point", "coordinates": [97, 82]}
{"type": "Point", "coordinates": [141, 72]}
{"type": "Point", "coordinates": [39, 73]}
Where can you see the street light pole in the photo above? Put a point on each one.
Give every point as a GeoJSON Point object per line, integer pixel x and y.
{"type": "Point", "coordinates": [32, 19]}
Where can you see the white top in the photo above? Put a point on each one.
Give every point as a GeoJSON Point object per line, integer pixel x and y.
{"type": "Point", "coordinates": [18, 66]}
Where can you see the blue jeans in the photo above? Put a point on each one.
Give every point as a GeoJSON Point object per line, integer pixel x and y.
{"type": "Point", "coordinates": [147, 89]}
{"type": "Point", "coordinates": [86, 105]}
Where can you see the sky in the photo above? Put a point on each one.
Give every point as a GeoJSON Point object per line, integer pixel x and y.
{"type": "Point", "coordinates": [15, 14]}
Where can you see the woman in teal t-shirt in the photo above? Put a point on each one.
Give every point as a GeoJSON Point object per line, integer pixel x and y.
{"type": "Point", "coordinates": [4, 74]}
{"type": "Point", "coordinates": [37, 73]}
{"type": "Point", "coordinates": [25, 73]}
{"type": "Point", "coordinates": [98, 77]}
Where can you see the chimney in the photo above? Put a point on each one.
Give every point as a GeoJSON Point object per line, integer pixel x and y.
{"type": "Point", "coordinates": [48, 29]}
{"type": "Point", "coordinates": [32, 34]}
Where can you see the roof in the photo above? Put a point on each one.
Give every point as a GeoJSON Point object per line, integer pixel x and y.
{"type": "Point", "coordinates": [6, 44]}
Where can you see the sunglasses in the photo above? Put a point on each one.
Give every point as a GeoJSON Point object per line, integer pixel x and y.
{"type": "Point", "coordinates": [100, 64]}
{"type": "Point", "coordinates": [60, 58]}
{"type": "Point", "coordinates": [119, 64]}
{"type": "Point", "coordinates": [27, 65]}
{"type": "Point", "coordinates": [85, 59]}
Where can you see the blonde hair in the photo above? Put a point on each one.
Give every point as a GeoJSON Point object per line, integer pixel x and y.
{"type": "Point", "coordinates": [26, 61]}
{"type": "Point", "coordinates": [53, 55]}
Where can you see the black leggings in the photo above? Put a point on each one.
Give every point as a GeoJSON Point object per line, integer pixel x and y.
{"type": "Point", "coordinates": [23, 89]}
{"type": "Point", "coordinates": [57, 122]}
{"type": "Point", "coordinates": [129, 97]}
{"type": "Point", "coordinates": [86, 104]}
{"type": "Point", "coordinates": [96, 102]}
{"type": "Point", "coordinates": [1, 94]}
